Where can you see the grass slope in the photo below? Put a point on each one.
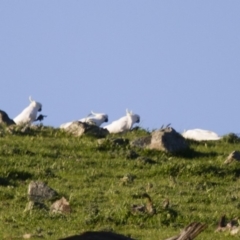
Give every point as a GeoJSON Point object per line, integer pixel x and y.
{"type": "Point", "coordinates": [101, 183]}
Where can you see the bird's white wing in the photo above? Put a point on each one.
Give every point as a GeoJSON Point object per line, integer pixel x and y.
{"type": "Point", "coordinates": [24, 117]}
{"type": "Point", "coordinates": [117, 126]}
{"type": "Point", "coordinates": [200, 135]}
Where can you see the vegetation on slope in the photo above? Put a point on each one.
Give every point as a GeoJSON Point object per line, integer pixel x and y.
{"type": "Point", "coordinates": [102, 183]}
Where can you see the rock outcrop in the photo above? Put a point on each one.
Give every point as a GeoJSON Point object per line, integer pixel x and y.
{"type": "Point", "coordinates": [4, 118]}
{"type": "Point", "coordinates": [235, 155]}
{"type": "Point", "coordinates": [166, 139]}
{"type": "Point", "coordinates": [81, 128]}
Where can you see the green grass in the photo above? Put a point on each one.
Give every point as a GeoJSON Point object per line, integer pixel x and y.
{"type": "Point", "coordinates": [90, 176]}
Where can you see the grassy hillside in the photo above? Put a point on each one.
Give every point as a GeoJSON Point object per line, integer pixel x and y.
{"type": "Point", "coordinates": [102, 182]}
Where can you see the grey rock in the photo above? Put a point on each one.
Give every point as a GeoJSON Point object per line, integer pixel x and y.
{"type": "Point", "coordinates": [4, 118]}
{"type": "Point", "coordinates": [235, 155]}
{"type": "Point", "coordinates": [168, 140]}
{"type": "Point", "coordinates": [81, 128]}
{"type": "Point", "coordinates": [60, 206]}
{"type": "Point", "coordinates": [39, 191]}
{"type": "Point", "coordinates": [141, 142]}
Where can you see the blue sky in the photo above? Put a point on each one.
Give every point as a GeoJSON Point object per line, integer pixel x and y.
{"type": "Point", "coordinates": [169, 61]}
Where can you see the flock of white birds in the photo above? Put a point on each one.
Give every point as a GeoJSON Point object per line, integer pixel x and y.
{"type": "Point", "coordinates": [125, 123]}
{"type": "Point", "coordinates": [121, 125]}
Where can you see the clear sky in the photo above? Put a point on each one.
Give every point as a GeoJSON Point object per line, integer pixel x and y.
{"type": "Point", "coordinates": [169, 61]}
